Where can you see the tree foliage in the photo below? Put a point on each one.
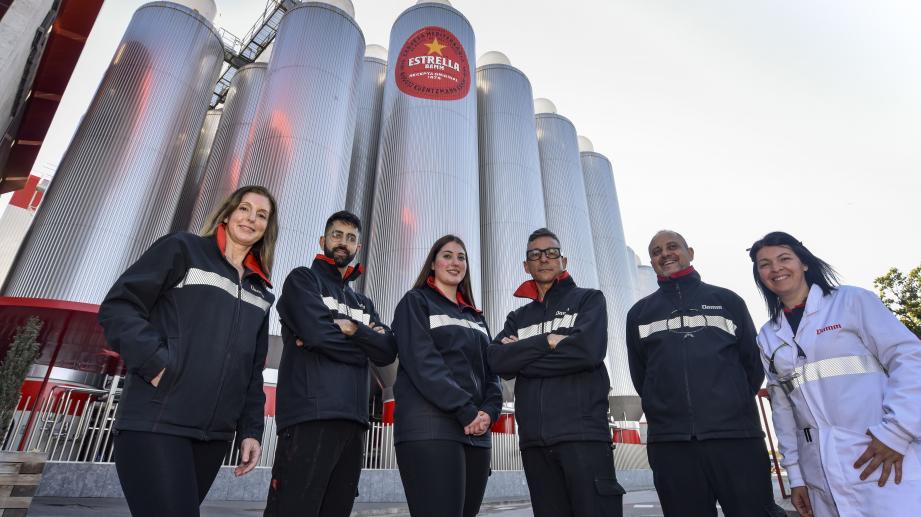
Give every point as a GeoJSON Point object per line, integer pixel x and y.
{"type": "Point", "coordinates": [19, 357]}
{"type": "Point", "coordinates": [902, 294]}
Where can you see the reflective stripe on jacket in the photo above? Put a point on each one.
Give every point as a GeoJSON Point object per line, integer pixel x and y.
{"type": "Point", "coordinates": [850, 369]}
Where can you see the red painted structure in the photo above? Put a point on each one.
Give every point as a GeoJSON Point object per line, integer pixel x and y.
{"type": "Point", "coordinates": [65, 44]}
{"type": "Point", "coordinates": [28, 197]}
{"type": "Point", "coordinates": [387, 413]}
{"type": "Point", "coordinates": [70, 338]}
{"type": "Point", "coordinates": [626, 434]}
{"type": "Point", "coordinates": [504, 424]}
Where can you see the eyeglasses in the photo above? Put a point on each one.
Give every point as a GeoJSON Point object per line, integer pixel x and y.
{"type": "Point", "coordinates": [535, 254]}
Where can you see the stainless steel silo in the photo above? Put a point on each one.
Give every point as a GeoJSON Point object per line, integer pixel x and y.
{"type": "Point", "coordinates": [427, 178]}
{"type": "Point", "coordinates": [648, 281]}
{"type": "Point", "coordinates": [234, 133]}
{"type": "Point", "coordinates": [511, 193]}
{"type": "Point", "coordinates": [565, 201]}
{"type": "Point", "coordinates": [363, 168]}
{"type": "Point", "coordinates": [617, 281]}
{"type": "Point", "coordinates": [194, 177]}
{"type": "Point", "coordinates": [302, 133]}
{"type": "Point", "coordinates": [117, 186]}
{"type": "Point", "coordinates": [633, 263]}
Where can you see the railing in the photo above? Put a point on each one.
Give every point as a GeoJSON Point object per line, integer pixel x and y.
{"type": "Point", "coordinates": [75, 425]}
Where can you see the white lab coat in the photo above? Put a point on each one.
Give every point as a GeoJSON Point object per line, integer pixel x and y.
{"type": "Point", "coordinates": [861, 372]}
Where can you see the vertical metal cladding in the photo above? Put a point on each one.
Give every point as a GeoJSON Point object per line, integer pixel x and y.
{"type": "Point", "coordinates": [633, 263]}
{"type": "Point", "coordinates": [234, 133]}
{"type": "Point", "coordinates": [648, 281]}
{"type": "Point", "coordinates": [119, 182]}
{"type": "Point", "coordinates": [610, 257]}
{"type": "Point", "coordinates": [511, 193]}
{"type": "Point", "coordinates": [193, 179]}
{"type": "Point", "coordinates": [360, 193]}
{"type": "Point", "coordinates": [427, 178]}
{"type": "Point", "coordinates": [302, 133]}
{"type": "Point", "coordinates": [565, 201]}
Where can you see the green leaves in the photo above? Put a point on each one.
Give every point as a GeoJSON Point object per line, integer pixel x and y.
{"type": "Point", "coordinates": [902, 294]}
{"type": "Point", "coordinates": [19, 357]}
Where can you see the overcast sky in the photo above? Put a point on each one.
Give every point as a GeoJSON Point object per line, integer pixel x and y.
{"type": "Point", "coordinates": [724, 119]}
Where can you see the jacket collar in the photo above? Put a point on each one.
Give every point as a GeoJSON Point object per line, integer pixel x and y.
{"type": "Point", "coordinates": [461, 300]}
{"type": "Point", "coordinates": [250, 262]}
{"type": "Point", "coordinates": [529, 289]}
{"type": "Point", "coordinates": [323, 263]}
{"type": "Point", "coordinates": [686, 277]}
{"type": "Point", "coordinates": [814, 301]}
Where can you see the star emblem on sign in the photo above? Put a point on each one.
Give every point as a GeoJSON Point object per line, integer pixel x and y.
{"type": "Point", "coordinates": [435, 47]}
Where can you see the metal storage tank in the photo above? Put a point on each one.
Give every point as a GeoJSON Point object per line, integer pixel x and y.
{"type": "Point", "coordinates": [234, 132]}
{"type": "Point", "coordinates": [302, 133]}
{"type": "Point", "coordinates": [511, 193]}
{"type": "Point", "coordinates": [648, 280]}
{"type": "Point", "coordinates": [193, 179]}
{"type": "Point", "coordinates": [363, 169]}
{"type": "Point", "coordinates": [427, 178]}
{"type": "Point", "coordinates": [118, 184]}
{"type": "Point", "coordinates": [565, 202]}
{"type": "Point", "coordinates": [633, 264]}
{"type": "Point", "coordinates": [617, 281]}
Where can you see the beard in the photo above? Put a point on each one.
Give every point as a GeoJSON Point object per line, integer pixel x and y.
{"type": "Point", "coordinates": [340, 260]}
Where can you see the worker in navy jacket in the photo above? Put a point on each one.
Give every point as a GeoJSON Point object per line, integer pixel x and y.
{"type": "Point", "coordinates": [329, 333]}
{"type": "Point", "coordinates": [555, 347]}
{"type": "Point", "coordinates": [190, 320]}
{"type": "Point", "coordinates": [695, 364]}
{"type": "Point", "coordinates": [446, 396]}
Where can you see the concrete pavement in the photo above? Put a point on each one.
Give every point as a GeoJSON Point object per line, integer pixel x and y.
{"type": "Point", "coordinates": [643, 503]}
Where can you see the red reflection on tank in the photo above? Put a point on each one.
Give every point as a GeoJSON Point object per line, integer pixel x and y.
{"type": "Point", "coordinates": [234, 172]}
{"type": "Point", "coordinates": [279, 124]}
{"type": "Point", "coordinates": [408, 218]}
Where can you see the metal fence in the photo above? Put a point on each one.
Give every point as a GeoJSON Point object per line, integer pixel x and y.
{"type": "Point", "coordinates": [75, 425]}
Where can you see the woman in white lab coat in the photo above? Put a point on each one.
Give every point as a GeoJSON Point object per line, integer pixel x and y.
{"type": "Point", "coordinates": [844, 377]}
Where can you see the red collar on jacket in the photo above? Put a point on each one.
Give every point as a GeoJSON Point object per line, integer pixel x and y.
{"type": "Point", "coordinates": [250, 262]}
{"type": "Point", "coordinates": [800, 306]}
{"type": "Point", "coordinates": [529, 289]}
{"type": "Point", "coordinates": [460, 297]}
{"type": "Point", "coordinates": [348, 271]}
{"type": "Point", "coordinates": [675, 276]}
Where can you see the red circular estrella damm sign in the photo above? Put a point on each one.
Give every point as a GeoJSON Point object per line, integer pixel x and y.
{"type": "Point", "coordinates": [433, 65]}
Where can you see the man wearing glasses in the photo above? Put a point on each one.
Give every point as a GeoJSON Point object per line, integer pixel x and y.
{"type": "Point", "coordinates": [555, 347]}
{"type": "Point", "coordinates": [695, 364]}
{"type": "Point", "coordinates": [329, 332]}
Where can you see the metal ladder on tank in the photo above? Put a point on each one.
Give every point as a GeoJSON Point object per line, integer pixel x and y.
{"type": "Point", "coordinates": [239, 52]}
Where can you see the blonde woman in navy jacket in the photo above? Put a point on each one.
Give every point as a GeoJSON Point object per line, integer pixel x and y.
{"type": "Point", "coordinates": [446, 396]}
{"type": "Point", "coordinates": [190, 320]}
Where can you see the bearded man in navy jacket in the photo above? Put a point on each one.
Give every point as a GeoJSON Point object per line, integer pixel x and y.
{"type": "Point", "coordinates": [555, 347]}
{"type": "Point", "coordinates": [329, 333]}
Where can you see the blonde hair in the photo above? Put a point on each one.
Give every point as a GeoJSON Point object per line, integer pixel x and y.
{"type": "Point", "coordinates": [264, 249]}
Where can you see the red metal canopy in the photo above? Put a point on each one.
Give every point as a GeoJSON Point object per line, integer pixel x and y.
{"type": "Point", "coordinates": [70, 336]}
{"type": "Point", "coordinates": [65, 43]}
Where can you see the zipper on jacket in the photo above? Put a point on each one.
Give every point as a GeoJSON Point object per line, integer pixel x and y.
{"type": "Point", "coordinates": [540, 381]}
{"type": "Point", "coordinates": [687, 381]}
{"type": "Point", "coordinates": [234, 323]}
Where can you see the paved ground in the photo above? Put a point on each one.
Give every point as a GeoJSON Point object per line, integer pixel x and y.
{"type": "Point", "coordinates": [636, 504]}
